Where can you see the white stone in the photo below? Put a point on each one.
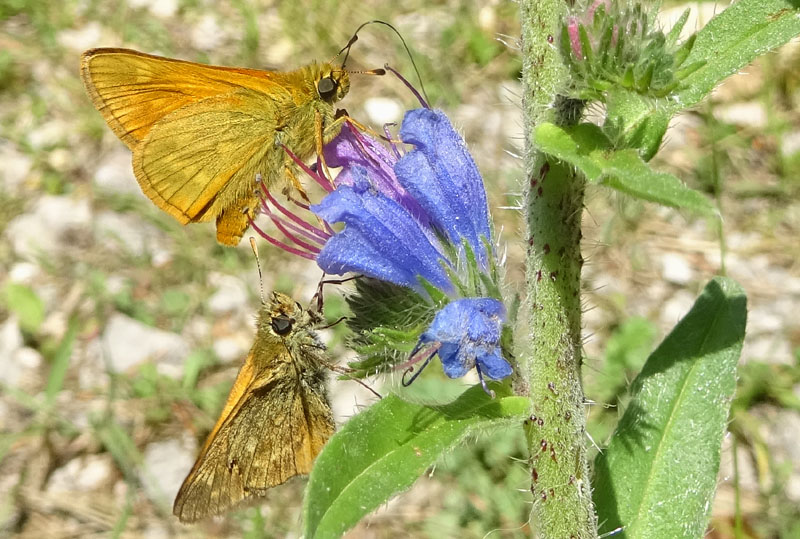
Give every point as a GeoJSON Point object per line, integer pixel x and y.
{"type": "Point", "coordinates": [115, 173]}
{"type": "Point", "coordinates": [10, 342]}
{"type": "Point", "coordinates": [115, 284]}
{"type": "Point", "coordinates": [60, 159]}
{"type": "Point", "coordinates": [82, 474]}
{"type": "Point", "coordinates": [28, 358]}
{"type": "Point", "coordinates": [784, 432]}
{"type": "Point", "coordinates": [676, 308]}
{"type": "Point", "coordinates": [675, 269]}
{"type": "Point", "coordinates": [774, 349]}
{"type": "Point", "coordinates": [749, 114]}
{"type": "Point", "coordinates": [23, 272]}
{"type": "Point", "coordinates": [80, 39]}
{"type": "Point", "coordinates": [763, 319]}
{"type": "Point", "coordinates": [48, 135]}
{"type": "Point", "coordinates": [91, 368]}
{"type": "Point", "coordinates": [164, 467]}
{"type": "Point", "coordinates": [230, 296]}
{"type": "Point", "coordinates": [207, 34]}
{"type": "Point", "coordinates": [130, 343]}
{"type": "Point", "coordinates": [383, 110]}
{"type": "Point", "coordinates": [43, 229]}
{"type": "Point", "coordinates": [159, 8]}
{"type": "Point", "coordinates": [15, 167]}
{"type": "Point", "coordinates": [700, 13]}
{"type": "Point", "coordinates": [229, 349]}
{"type": "Point", "coordinates": [680, 131]}
{"type": "Point", "coordinates": [790, 144]}
{"type": "Point", "coordinates": [127, 230]}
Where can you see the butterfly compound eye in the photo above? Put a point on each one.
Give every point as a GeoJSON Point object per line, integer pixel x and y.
{"type": "Point", "coordinates": [282, 325]}
{"type": "Point", "coordinates": [327, 88]}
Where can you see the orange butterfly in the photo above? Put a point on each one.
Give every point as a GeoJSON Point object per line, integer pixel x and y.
{"type": "Point", "coordinates": [200, 133]}
{"type": "Point", "coordinates": [275, 422]}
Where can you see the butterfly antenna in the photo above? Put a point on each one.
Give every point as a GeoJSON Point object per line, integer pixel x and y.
{"type": "Point", "coordinates": [403, 41]}
{"type": "Point", "coordinates": [254, 247]}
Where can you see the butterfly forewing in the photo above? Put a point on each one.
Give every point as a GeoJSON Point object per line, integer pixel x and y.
{"type": "Point", "coordinates": [133, 90]}
{"type": "Point", "coordinates": [179, 164]}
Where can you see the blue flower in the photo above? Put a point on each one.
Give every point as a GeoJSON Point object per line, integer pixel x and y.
{"type": "Point", "coordinates": [433, 191]}
{"type": "Point", "coordinates": [441, 175]}
{"type": "Point", "coordinates": [465, 333]}
{"type": "Point", "coordinates": [380, 239]}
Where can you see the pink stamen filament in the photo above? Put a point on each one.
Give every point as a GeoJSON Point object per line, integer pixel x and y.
{"type": "Point", "coordinates": [280, 225]}
{"type": "Point", "coordinates": [324, 182]}
{"type": "Point", "coordinates": [391, 143]}
{"type": "Point", "coordinates": [408, 85]}
{"type": "Point", "coordinates": [296, 229]}
{"type": "Point", "coordinates": [312, 230]}
{"type": "Point", "coordinates": [280, 244]}
{"type": "Point", "coordinates": [421, 354]}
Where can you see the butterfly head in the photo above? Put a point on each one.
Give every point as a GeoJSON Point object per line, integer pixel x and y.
{"type": "Point", "coordinates": [286, 316]}
{"type": "Point", "coordinates": [333, 84]}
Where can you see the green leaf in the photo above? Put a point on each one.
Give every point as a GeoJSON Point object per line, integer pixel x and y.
{"type": "Point", "coordinates": [29, 308]}
{"type": "Point", "coordinates": [733, 39]}
{"type": "Point", "coordinates": [60, 363]}
{"type": "Point", "coordinates": [586, 147]}
{"type": "Point", "coordinates": [658, 475]}
{"type": "Point", "coordinates": [675, 32]}
{"type": "Point", "coordinates": [383, 450]}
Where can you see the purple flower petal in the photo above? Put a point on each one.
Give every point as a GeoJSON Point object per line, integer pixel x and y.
{"type": "Point", "coordinates": [350, 149]}
{"type": "Point", "coordinates": [469, 332]}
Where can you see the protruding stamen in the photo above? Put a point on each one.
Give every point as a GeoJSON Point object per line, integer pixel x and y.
{"type": "Point", "coordinates": [324, 182]}
{"type": "Point", "coordinates": [408, 85]}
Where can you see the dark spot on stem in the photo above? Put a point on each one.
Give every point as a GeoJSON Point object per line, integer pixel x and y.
{"type": "Point", "coordinates": [546, 248]}
{"type": "Point", "coordinates": [544, 170]}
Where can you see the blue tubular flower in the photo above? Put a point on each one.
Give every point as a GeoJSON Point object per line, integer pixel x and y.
{"type": "Point", "coordinates": [441, 175]}
{"type": "Point", "coordinates": [436, 188]}
{"type": "Point", "coordinates": [419, 218]}
{"type": "Point", "coordinates": [466, 334]}
{"type": "Point", "coordinates": [379, 240]}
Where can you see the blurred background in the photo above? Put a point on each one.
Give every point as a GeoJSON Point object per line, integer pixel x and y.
{"type": "Point", "coordinates": [121, 331]}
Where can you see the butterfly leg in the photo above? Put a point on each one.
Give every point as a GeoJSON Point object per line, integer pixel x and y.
{"type": "Point", "coordinates": [296, 184]}
{"type": "Point", "coordinates": [319, 140]}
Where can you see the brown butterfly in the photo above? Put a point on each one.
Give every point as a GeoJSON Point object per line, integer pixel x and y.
{"type": "Point", "coordinates": [275, 422]}
{"type": "Point", "coordinates": [200, 133]}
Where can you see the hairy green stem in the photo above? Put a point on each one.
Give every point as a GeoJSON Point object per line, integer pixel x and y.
{"type": "Point", "coordinates": [549, 354]}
